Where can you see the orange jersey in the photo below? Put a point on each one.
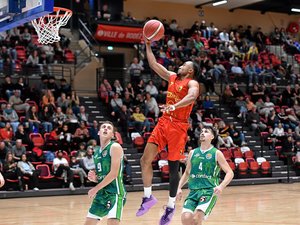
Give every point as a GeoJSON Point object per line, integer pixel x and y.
{"type": "Point", "coordinates": [177, 90]}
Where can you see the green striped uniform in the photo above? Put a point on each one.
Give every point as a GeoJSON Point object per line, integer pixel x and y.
{"type": "Point", "coordinates": [111, 199]}
{"type": "Point", "coordinates": [204, 176]}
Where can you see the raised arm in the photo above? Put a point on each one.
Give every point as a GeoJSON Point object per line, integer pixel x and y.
{"type": "Point", "coordinates": [154, 65]}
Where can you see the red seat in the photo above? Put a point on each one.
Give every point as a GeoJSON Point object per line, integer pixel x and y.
{"type": "Point", "coordinates": [249, 154]}
{"type": "Point", "coordinates": [139, 143]}
{"type": "Point", "coordinates": [73, 153]}
{"type": "Point", "coordinates": [237, 154]}
{"type": "Point", "coordinates": [243, 168]}
{"type": "Point", "coordinates": [265, 167]}
{"type": "Point", "coordinates": [165, 172]}
{"type": "Point", "coordinates": [37, 139]}
{"type": "Point", "coordinates": [152, 122]}
{"type": "Point", "coordinates": [249, 160]}
{"type": "Point", "coordinates": [45, 172]}
{"type": "Point", "coordinates": [232, 165]}
{"type": "Point", "coordinates": [254, 167]}
{"type": "Point", "coordinates": [227, 154]}
{"type": "Point", "coordinates": [163, 155]}
{"type": "Point", "coordinates": [146, 136]}
{"type": "Point", "coordinates": [119, 138]}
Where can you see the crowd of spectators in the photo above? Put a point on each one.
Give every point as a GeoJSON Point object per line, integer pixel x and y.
{"type": "Point", "coordinates": [20, 50]}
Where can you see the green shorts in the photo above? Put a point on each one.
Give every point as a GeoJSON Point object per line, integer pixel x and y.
{"type": "Point", "coordinates": [107, 204]}
{"type": "Point", "coordinates": [202, 199]}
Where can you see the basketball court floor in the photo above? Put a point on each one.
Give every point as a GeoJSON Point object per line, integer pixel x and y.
{"type": "Point", "coordinates": [276, 204]}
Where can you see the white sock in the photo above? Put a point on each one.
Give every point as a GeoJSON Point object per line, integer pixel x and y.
{"type": "Point", "coordinates": [147, 191]}
{"type": "Point", "coordinates": [171, 202]}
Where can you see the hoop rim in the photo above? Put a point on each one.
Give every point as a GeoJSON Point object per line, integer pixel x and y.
{"type": "Point", "coordinates": [56, 9]}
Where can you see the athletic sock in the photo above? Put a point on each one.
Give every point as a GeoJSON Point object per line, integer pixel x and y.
{"type": "Point", "coordinates": [171, 202]}
{"type": "Point", "coordinates": [147, 191]}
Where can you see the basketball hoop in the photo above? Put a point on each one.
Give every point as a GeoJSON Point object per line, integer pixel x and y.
{"type": "Point", "coordinates": [47, 27]}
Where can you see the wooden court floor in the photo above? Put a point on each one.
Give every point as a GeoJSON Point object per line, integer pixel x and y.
{"type": "Point", "coordinates": [242, 205]}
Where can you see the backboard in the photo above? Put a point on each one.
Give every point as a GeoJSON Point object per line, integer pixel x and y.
{"type": "Point", "coordinates": [14, 13]}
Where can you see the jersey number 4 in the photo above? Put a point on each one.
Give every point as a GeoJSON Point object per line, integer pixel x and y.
{"type": "Point", "coordinates": [200, 166]}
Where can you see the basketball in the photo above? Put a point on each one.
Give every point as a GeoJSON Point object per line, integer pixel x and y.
{"type": "Point", "coordinates": [153, 30]}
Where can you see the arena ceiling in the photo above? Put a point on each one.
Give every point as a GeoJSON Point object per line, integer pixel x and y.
{"type": "Point", "coordinates": [280, 6]}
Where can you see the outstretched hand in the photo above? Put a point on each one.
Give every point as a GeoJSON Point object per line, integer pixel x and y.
{"type": "Point", "coordinates": [167, 108]}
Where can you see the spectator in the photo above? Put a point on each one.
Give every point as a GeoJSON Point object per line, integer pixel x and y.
{"type": "Point", "coordinates": [127, 170]}
{"type": "Point", "coordinates": [59, 117]}
{"type": "Point", "coordinates": [251, 73]}
{"type": "Point", "coordinates": [237, 136]}
{"type": "Point", "coordinates": [88, 161]}
{"type": "Point", "coordinates": [236, 70]}
{"type": "Point", "coordinates": [52, 86]}
{"type": "Point", "coordinates": [127, 100]}
{"type": "Point", "coordinates": [26, 37]}
{"type": "Point", "coordinates": [236, 91]}
{"type": "Point", "coordinates": [81, 153]}
{"type": "Point", "coordinates": [151, 105]}
{"type": "Point", "coordinates": [82, 133]}
{"type": "Point", "coordinates": [46, 119]}
{"type": "Point", "coordinates": [64, 87]}
{"type": "Point", "coordinates": [71, 120]}
{"type": "Point", "coordinates": [63, 102]}
{"type": "Point", "coordinates": [253, 120]}
{"type": "Point", "coordinates": [3, 152]}
{"type": "Point", "coordinates": [61, 167]}
{"type": "Point", "coordinates": [74, 103]}
{"type": "Point", "coordinates": [140, 122]}
{"type": "Point", "coordinates": [94, 130]}
{"type": "Point", "coordinates": [82, 115]}
{"type": "Point", "coordinates": [28, 170]}
{"type": "Point", "coordinates": [7, 87]}
{"type": "Point", "coordinates": [33, 119]}
{"type": "Point", "coordinates": [209, 108]}
{"type": "Point", "coordinates": [140, 87]}
{"type": "Point", "coordinates": [11, 116]}
{"type": "Point", "coordinates": [151, 88]}
{"type": "Point", "coordinates": [17, 103]}
{"type": "Point", "coordinates": [117, 88]}
{"type": "Point", "coordinates": [23, 135]}
{"type": "Point", "coordinates": [11, 170]}
{"type": "Point", "coordinates": [135, 70]}
{"type": "Point", "coordinates": [130, 90]}
{"type": "Point", "coordinates": [241, 104]}
{"type": "Point", "coordinates": [78, 170]}
{"type": "Point", "coordinates": [116, 104]}
{"type": "Point", "coordinates": [33, 62]}
{"type": "Point", "coordinates": [18, 150]}
{"type": "Point", "coordinates": [6, 133]}
{"type": "Point", "coordinates": [123, 118]}
{"type": "Point", "coordinates": [49, 100]}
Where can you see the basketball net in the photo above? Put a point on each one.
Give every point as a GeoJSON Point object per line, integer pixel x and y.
{"type": "Point", "coordinates": [47, 27]}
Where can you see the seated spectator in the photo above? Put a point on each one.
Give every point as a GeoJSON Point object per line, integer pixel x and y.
{"type": "Point", "coordinates": [151, 105]}
{"type": "Point", "coordinates": [197, 117]}
{"type": "Point", "coordinates": [117, 88]}
{"type": "Point", "coordinates": [252, 53]}
{"type": "Point", "coordinates": [140, 122]}
{"type": "Point", "coordinates": [127, 170]}
{"type": "Point", "coordinates": [163, 90]}
{"type": "Point", "coordinates": [6, 133]}
{"type": "Point", "coordinates": [71, 120]}
{"type": "Point", "coordinates": [7, 87]}
{"type": "Point", "coordinates": [267, 107]}
{"type": "Point", "coordinates": [140, 87]}
{"type": "Point", "coordinates": [236, 70]}
{"type": "Point", "coordinates": [81, 152]}
{"type": "Point", "coordinates": [49, 100]}
{"type": "Point", "coordinates": [18, 150]}
{"type": "Point", "coordinates": [52, 86]}
{"type": "Point", "coordinates": [127, 100]}
{"type": "Point", "coordinates": [11, 170]}
{"type": "Point", "coordinates": [33, 119]}
{"type": "Point", "coordinates": [88, 161]}
{"type": "Point", "coordinates": [237, 136]}
{"type": "Point", "coordinates": [26, 37]}
{"type": "Point", "coordinates": [123, 118]}
{"type": "Point", "coordinates": [7, 61]}
{"type": "Point", "coordinates": [253, 120]}
{"type": "Point", "coordinates": [64, 87]}
{"type": "Point", "coordinates": [28, 170]}
{"type": "Point", "coordinates": [11, 116]}
{"type": "Point", "coordinates": [83, 116]}
{"type": "Point", "coordinates": [287, 96]}
{"type": "Point", "coordinates": [3, 151]}
{"type": "Point", "coordinates": [94, 130]}
{"type": "Point", "coordinates": [65, 138]}
{"type": "Point", "coordinates": [23, 135]}
{"type": "Point", "coordinates": [46, 118]}
{"type": "Point", "coordinates": [209, 108]}
{"type": "Point", "coordinates": [81, 134]}
{"type": "Point", "coordinates": [63, 102]}
{"type": "Point", "coordinates": [61, 167]}
{"type": "Point", "coordinates": [256, 93]}
{"type": "Point", "coordinates": [236, 91]}
{"type": "Point", "coordinates": [241, 104]}
{"type": "Point", "coordinates": [235, 51]}
{"type": "Point", "coordinates": [129, 88]}
{"type": "Point", "coordinates": [17, 103]}
{"type": "Point", "coordinates": [116, 103]}
{"type": "Point", "coordinates": [78, 170]}
{"type": "Point", "coordinates": [59, 116]}
{"type": "Point", "coordinates": [104, 14]}
{"type": "Point", "coordinates": [151, 88]}
{"type": "Point", "coordinates": [224, 133]}
{"type": "Point", "coordinates": [33, 62]}
{"type": "Point", "coordinates": [250, 71]}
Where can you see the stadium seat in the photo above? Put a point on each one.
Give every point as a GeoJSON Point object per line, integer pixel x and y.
{"type": "Point", "coordinates": [37, 139]}
{"type": "Point", "coordinates": [165, 172]}
{"type": "Point", "coordinates": [260, 160]}
{"type": "Point", "coordinates": [265, 168]}
{"type": "Point", "coordinates": [73, 153]}
{"type": "Point", "coordinates": [243, 168]}
{"type": "Point", "coordinates": [139, 143]}
{"type": "Point", "coordinates": [249, 154]}
{"type": "Point", "coordinates": [232, 166]}
{"type": "Point", "coordinates": [163, 155]}
{"type": "Point", "coordinates": [45, 172]}
{"type": "Point", "coordinates": [238, 160]}
{"type": "Point", "coordinates": [238, 154]}
{"type": "Point", "coordinates": [146, 136]}
{"type": "Point", "coordinates": [249, 160]}
{"type": "Point", "coordinates": [254, 167]}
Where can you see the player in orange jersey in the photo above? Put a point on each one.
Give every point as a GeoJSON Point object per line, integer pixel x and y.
{"type": "Point", "coordinates": [171, 130]}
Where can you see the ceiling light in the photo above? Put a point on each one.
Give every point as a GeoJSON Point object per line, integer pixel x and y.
{"type": "Point", "coordinates": [295, 10]}
{"type": "Point", "coordinates": [219, 2]}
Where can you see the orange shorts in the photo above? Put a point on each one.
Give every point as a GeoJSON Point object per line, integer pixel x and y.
{"type": "Point", "coordinates": [170, 133]}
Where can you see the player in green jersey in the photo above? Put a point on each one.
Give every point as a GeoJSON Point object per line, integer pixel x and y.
{"type": "Point", "coordinates": [202, 175]}
{"type": "Point", "coordinates": [109, 194]}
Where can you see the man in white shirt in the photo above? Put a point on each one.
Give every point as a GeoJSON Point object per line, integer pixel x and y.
{"type": "Point", "coordinates": [61, 166]}
{"type": "Point", "coordinates": [88, 161]}
{"type": "Point", "coordinates": [236, 70]}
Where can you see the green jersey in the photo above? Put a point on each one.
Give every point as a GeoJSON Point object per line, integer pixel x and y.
{"type": "Point", "coordinates": [102, 160]}
{"type": "Point", "coordinates": [204, 169]}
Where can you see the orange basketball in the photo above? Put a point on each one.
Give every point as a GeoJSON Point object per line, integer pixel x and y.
{"type": "Point", "coordinates": [153, 30]}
